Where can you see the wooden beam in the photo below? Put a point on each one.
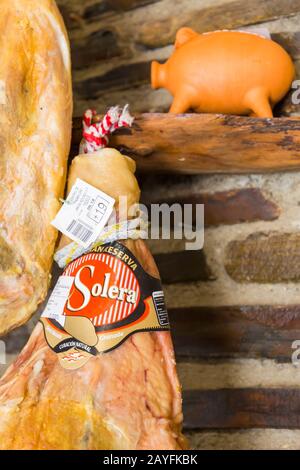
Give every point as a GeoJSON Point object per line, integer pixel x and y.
{"type": "Point", "coordinates": [208, 143]}
{"type": "Point", "coordinates": [241, 408]}
{"type": "Point", "coordinates": [258, 331]}
{"type": "Point", "coordinates": [183, 266]}
{"type": "Point", "coordinates": [234, 206]}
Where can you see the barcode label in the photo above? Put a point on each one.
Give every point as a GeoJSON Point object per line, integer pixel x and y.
{"type": "Point", "coordinates": [80, 231]}
{"type": "Point", "coordinates": [58, 298]}
{"type": "Point", "coordinates": [160, 307]}
{"type": "Point", "coordinates": [84, 214]}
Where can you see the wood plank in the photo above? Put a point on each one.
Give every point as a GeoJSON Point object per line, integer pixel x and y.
{"type": "Point", "coordinates": [161, 24]}
{"type": "Point", "coordinates": [208, 143]}
{"type": "Point", "coordinates": [229, 15]}
{"type": "Point", "coordinates": [230, 207]}
{"type": "Point", "coordinates": [183, 266]}
{"type": "Point", "coordinates": [241, 409]}
{"type": "Point", "coordinates": [119, 78]}
{"type": "Point", "coordinates": [235, 332]}
{"type": "Point", "coordinates": [86, 52]}
{"type": "Point", "coordinates": [96, 9]}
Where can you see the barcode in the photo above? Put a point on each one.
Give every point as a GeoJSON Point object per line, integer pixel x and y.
{"type": "Point", "coordinates": [160, 307]}
{"type": "Point", "coordinates": [79, 230]}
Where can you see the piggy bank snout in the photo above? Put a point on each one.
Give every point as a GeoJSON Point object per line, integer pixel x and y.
{"type": "Point", "coordinates": [158, 75]}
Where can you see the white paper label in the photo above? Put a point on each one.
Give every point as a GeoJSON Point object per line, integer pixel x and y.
{"type": "Point", "coordinates": [57, 300]}
{"type": "Point", "coordinates": [84, 213]}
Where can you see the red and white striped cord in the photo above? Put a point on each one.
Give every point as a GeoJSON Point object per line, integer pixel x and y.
{"type": "Point", "coordinates": [96, 134]}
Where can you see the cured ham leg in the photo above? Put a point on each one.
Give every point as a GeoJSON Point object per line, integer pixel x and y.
{"type": "Point", "coordinates": [35, 134]}
{"type": "Point", "coordinates": [128, 398]}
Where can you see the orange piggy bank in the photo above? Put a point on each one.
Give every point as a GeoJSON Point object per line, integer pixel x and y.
{"type": "Point", "coordinates": [225, 72]}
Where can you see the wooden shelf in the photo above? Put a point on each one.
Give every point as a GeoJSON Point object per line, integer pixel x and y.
{"type": "Point", "coordinates": [208, 143]}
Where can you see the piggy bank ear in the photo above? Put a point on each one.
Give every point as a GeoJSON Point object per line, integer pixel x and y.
{"type": "Point", "coordinates": [184, 35]}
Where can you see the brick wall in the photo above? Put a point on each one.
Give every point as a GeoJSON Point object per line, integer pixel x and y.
{"type": "Point", "coordinates": [235, 321]}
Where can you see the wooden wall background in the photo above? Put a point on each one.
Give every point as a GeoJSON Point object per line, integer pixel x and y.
{"type": "Point", "coordinates": [234, 306]}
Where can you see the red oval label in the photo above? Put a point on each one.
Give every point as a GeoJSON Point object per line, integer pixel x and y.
{"type": "Point", "coordinates": [105, 289]}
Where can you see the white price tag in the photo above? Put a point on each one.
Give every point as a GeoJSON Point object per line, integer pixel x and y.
{"type": "Point", "coordinates": [84, 214]}
{"type": "Point", "coordinates": [57, 300]}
